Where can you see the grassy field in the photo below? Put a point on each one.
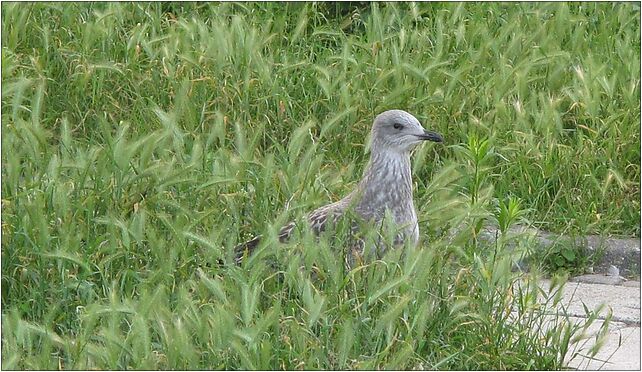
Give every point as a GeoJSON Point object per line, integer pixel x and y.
{"type": "Point", "coordinates": [141, 142]}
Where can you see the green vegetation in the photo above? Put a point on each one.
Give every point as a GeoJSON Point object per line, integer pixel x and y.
{"type": "Point", "coordinates": [141, 142]}
{"type": "Point", "coordinates": [566, 256]}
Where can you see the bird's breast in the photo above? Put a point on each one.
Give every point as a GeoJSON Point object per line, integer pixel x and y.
{"type": "Point", "coordinates": [388, 187]}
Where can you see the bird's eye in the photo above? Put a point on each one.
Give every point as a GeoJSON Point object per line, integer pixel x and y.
{"type": "Point", "coordinates": [397, 126]}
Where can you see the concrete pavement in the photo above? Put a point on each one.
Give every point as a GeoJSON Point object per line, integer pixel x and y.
{"type": "Point", "coordinates": [621, 351]}
{"type": "Point", "coordinates": [616, 284]}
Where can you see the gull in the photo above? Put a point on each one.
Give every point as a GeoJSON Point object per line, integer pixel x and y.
{"type": "Point", "coordinates": [384, 190]}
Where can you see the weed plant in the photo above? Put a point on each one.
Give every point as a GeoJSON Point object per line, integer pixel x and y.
{"type": "Point", "coordinates": [141, 142]}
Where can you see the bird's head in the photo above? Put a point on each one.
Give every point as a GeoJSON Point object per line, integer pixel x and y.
{"type": "Point", "coordinates": [399, 131]}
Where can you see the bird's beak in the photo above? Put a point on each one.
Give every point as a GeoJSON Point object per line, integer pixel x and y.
{"type": "Point", "coordinates": [431, 136]}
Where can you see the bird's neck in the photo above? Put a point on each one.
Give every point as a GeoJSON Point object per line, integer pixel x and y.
{"type": "Point", "coordinates": [388, 170]}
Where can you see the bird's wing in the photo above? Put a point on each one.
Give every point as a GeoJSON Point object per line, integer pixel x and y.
{"type": "Point", "coordinates": [286, 232]}
{"type": "Point", "coordinates": [246, 249]}
{"type": "Point", "coordinates": [317, 221]}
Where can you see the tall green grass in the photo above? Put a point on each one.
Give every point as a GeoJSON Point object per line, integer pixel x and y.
{"type": "Point", "coordinates": [141, 142]}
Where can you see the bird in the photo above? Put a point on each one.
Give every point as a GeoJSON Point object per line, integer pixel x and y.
{"type": "Point", "coordinates": [384, 189]}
